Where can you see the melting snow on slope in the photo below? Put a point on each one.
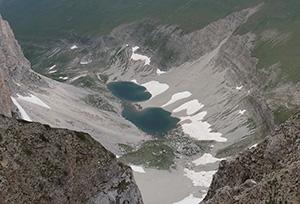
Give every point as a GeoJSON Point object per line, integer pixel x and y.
{"type": "Point", "coordinates": [159, 72]}
{"type": "Point", "coordinates": [138, 169]}
{"type": "Point", "coordinates": [73, 47]}
{"type": "Point", "coordinates": [24, 115]}
{"type": "Point", "coordinates": [134, 81]}
{"type": "Point", "coordinates": [191, 107]}
{"type": "Point", "coordinates": [195, 127]}
{"type": "Point", "coordinates": [64, 78]}
{"type": "Point", "coordinates": [253, 146]}
{"type": "Point", "coordinates": [52, 67]}
{"type": "Point", "coordinates": [155, 87]}
{"type": "Point", "coordinates": [52, 71]}
{"type": "Point", "coordinates": [85, 62]}
{"type": "Point", "coordinates": [78, 77]}
{"type": "Point", "coordinates": [137, 57]}
{"type": "Point", "coordinates": [242, 112]}
{"type": "Point", "coordinates": [177, 97]}
{"type": "Point", "coordinates": [206, 159]}
{"type": "Point", "coordinates": [190, 200]}
{"type": "Point", "coordinates": [201, 178]}
{"type": "Point", "coordinates": [239, 87]}
{"type": "Point", "coordinates": [33, 99]}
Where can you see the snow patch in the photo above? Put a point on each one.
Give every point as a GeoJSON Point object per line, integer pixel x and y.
{"type": "Point", "coordinates": [159, 72]}
{"type": "Point", "coordinates": [134, 81]}
{"type": "Point", "coordinates": [177, 97]}
{"type": "Point", "coordinates": [85, 62]}
{"type": "Point", "coordinates": [155, 87]}
{"type": "Point", "coordinates": [138, 169]}
{"type": "Point", "coordinates": [52, 71]}
{"type": "Point", "coordinates": [242, 112]}
{"type": "Point", "coordinates": [191, 107]}
{"type": "Point", "coordinates": [189, 200]}
{"type": "Point", "coordinates": [202, 178]}
{"type": "Point", "coordinates": [52, 67]}
{"type": "Point", "coordinates": [33, 99]}
{"type": "Point", "coordinates": [239, 87]}
{"type": "Point", "coordinates": [199, 129]}
{"type": "Point", "coordinates": [63, 78]}
{"type": "Point", "coordinates": [137, 57]}
{"type": "Point", "coordinates": [78, 77]}
{"type": "Point", "coordinates": [135, 48]}
{"type": "Point", "coordinates": [73, 47]}
{"type": "Point", "coordinates": [24, 115]}
{"type": "Point", "coordinates": [206, 159]}
{"type": "Point", "coordinates": [253, 146]}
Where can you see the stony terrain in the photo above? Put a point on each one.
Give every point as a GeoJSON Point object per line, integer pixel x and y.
{"type": "Point", "coordinates": [215, 64]}
{"type": "Point", "coordinates": [266, 174]}
{"type": "Point", "coordinates": [5, 101]}
{"type": "Point", "coordinates": [64, 105]}
{"type": "Point", "coordinates": [40, 164]}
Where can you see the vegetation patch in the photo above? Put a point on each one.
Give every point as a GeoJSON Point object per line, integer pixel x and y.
{"type": "Point", "coordinates": [277, 26]}
{"type": "Point", "coordinates": [282, 114]}
{"type": "Point", "coordinates": [154, 154]}
{"type": "Point", "coordinates": [82, 136]}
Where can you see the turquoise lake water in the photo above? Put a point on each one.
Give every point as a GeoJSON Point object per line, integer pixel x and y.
{"type": "Point", "coordinates": [154, 121]}
{"type": "Point", "coordinates": [129, 91]}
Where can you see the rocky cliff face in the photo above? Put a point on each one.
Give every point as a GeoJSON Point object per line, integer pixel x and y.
{"type": "Point", "coordinates": [5, 101]}
{"type": "Point", "coordinates": [95, 112]}
{"type": "Point", "coordinates": [15, 67]}
{"type": "Point", "coordinates": [39, 164]}
{"type": "Point", "coordinates": [266, 174]}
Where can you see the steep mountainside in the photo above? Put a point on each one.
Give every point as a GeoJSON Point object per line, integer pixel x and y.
{"type": "Point", "coordinates": [266, 174]}
{"type": "Point", "coordinates": [5, 101]}
{"type": "Point", "coordinates": [41, 99]}
{"type": "Point", "coordinates": [227, 69]}
{"type": "Point", "coordinates": [97, 17]}
{"type": "Point", "coordinates": [15, 67]}
{"type": "Point", "coordinates": [40, 164]}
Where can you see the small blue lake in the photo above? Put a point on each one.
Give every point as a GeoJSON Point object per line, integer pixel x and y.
{"type": "Point", "coordinates": [154, 121]}
{"type": "Point", "coordinates": [129, 91]}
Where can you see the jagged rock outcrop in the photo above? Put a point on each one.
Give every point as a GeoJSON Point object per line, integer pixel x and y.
{"type": "Point", "coordinates": [266, 174]}
{"type": "Point", "coordinates": [15, 69]}
{"type": "Point", "coordinates": [39, 164]}
{"type": "Point", "coordinates": [98, 112]}
{"type": "Point", "coordinates": [13, 64]}
{"type": "Point", "coordinates": [5, 101]}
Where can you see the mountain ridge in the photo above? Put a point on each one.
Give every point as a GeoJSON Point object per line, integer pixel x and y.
{"type": "Point", "coordinates": [42, 164]}
{"type": "Point", "coordinates": [266, 173]}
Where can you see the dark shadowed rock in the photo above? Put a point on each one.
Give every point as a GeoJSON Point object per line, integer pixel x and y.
{"type": "Point", "coordinates": [40, 164]}
{"type": "Point", "coordinates": [266, 174]}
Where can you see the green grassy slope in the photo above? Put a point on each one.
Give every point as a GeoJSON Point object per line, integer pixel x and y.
{"type": "Point", "coordinates": [283, 17]}
{"type": "Point", "coordinates": [54, 18]}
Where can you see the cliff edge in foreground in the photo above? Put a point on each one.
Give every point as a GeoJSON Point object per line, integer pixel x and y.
{"type": "Point", "coordinates": [266, 174]}
{"type": "Point", "coordinates": [40, 164]}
